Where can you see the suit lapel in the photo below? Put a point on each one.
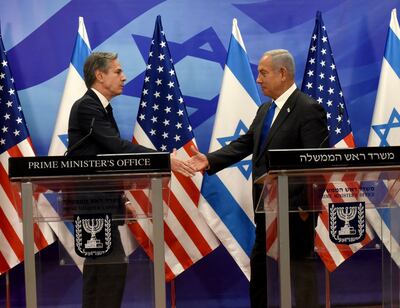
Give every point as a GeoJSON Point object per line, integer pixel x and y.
{"type": "Point", "coordinates": [280, 119]}
{"type": "Point", "coordinates": [259, 126]}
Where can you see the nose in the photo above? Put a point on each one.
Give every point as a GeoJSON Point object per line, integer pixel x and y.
{"type": "Point", "coordinates": [123, 77]}
{"type": "Point", "coordinates": [258, 80]}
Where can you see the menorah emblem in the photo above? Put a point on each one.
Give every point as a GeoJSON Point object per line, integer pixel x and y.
{"type": "Point", "coordinates": [95, 231]}
{"type": "Point", "coordinates": [93, 226]}
{"type": "Point", "coordinates": [347, 222]}
{"type": "Point", "coordinates": [347, 214]}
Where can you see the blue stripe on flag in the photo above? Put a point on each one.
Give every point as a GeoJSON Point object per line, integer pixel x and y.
{"type": "Point", "coordinates": [81, 52]}
{"type": "Point", "coordinates": [392, 51]}
{"type": "Point", "coordinates": [230, 212]}
{"type": "Point", "coordinates": [238, 63]}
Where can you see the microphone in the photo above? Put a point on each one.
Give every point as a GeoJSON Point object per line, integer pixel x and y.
{"type": "Point", "coordinates": [77, 144]}
{"type": "Point", "coordinates": [340, 120]}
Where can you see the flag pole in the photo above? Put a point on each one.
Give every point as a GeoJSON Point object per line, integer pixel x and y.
{"type": "Point", "coordinates": [327, 289]}
{"type": "Point", "coordinates": [173, 294]}
{"type": "Point", "coordinates": [8, 297]}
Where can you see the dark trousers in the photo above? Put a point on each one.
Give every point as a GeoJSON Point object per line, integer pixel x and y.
{"type": "Point", "coordinates": [104, 278]}
{"type": "Point", "coordinates": [302, 266]}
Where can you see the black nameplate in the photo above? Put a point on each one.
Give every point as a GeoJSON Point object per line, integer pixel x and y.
{"type": "Point", "coordinates": [333, 158]}
{"type": "Point", "coordinates": [48, 166]}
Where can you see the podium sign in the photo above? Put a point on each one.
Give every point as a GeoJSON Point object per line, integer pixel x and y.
{"type": "Point", "coordinates": [94, 194]}
{"type": "Point", "coordinates": [332, 205]}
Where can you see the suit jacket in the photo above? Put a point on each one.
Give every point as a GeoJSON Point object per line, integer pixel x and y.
{"type": "Point", "coordinates": [105, 137]}
{"type": "Point", "coordinates": [301, 123]}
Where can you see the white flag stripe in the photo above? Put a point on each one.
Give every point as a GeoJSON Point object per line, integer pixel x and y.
{"type": "Point", "coordinates": [25, 148]}
{"type": "Point", "coordinates": [7, 251]}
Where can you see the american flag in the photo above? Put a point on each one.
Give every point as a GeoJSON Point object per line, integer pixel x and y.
{"type": "Point", "coordinates": [163, 124]}
{"type": "Point", "coordinates": [321, 82]}
{"type": "Point", "coordinates": [14, 142]}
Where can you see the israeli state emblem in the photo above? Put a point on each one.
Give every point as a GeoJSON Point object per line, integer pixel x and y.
{"type": "Point", "coordinates": [92, 235]}
{"type": "Point", "coordinates": [347, 222]}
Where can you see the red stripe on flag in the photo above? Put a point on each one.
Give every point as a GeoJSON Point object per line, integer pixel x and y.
{"type": "Point", "coordinates": [40, 239]}
{"type": "Point", "coordinates": [11, 235]}
{"type": "Point", "coordinates": [147, 245]}
{"type": "Point", "coordinates": [4, 267]}
{"type": "Point", "coordinates": [10, 191]}
{"type": "Point", "coordinates": [186, 222]}
{"type": "Point", "coordinates": [324, 254]}
{"type": "Point", "coordinates": [272, 233]}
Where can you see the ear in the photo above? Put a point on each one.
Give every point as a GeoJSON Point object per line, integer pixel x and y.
{"type": "Point", "coordinates": [99, 75]}
{"type": "Point", "coordinates": [284, 73]}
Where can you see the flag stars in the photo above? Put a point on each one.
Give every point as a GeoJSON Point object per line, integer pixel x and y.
{"type": "Point", "coordinates": [152, 132]}
{"type": "Point", "coordinates": [333, 66]}
{"type": "Point", "coordinates": [309, 85]}
{"type": "Point", "coordinates": [328, 115]}
{"type": "Point", "coordinates": [153, 119]}
{"type": "Point", "coordinates": [147, 79]}
{"type": "Point", "coordinates": [322, 75]}
{"type": "Point", "coordinates": [338, 131]}
{"type": "Point", "coordinates": [324, 39]}
{"type": "Point", "coordinates": [4, 63]}
{"type": "Point", "coordinates": [2, 141]}
{"type": "Point", "coordinates": [160, 69]}
{"type": "Point", "coordinates": [19, 120]}
{"type": "Point", "coordinates": [167, 109]}
{"type": "Point", "coordinates": [148, 67]}
{"type": "Point", "coordinates": [329, 103]}
{"type": "Point", "coordinates": [320, 100]}
{"type": "Point", "coordinates": [2, 76]}
{"type": "Point", "coordinates": [6, 116]}
{"type": "Point", "coordinates": [331, 91]}
{"type": "Point", "coordinates": [150, 53]}
{"type": "Point", "coordinates": [180, 100]}
{"type": "Point", "coordinates": [169, 97]}
{"type": "Point", "coordinates": [320, 87]}
{"type": "Point", "coordinates": [155, 107]}
{"type": "Point", "coordinates": [166, 122]}
{"type": "Point", "coordinates": [313, 48]}
{"type": "Point", "coordinates": [341, 94]}
{"type": "Point", "coordinates": [143, 104]}
{"type": "Point", "coordinates": [4, 129]}
{"type": "Point", "coordinates": [323, 51]}
{"type": "Point", "coordinates": [178, 125]}
{"type": "Point", "coordinates": [339, 118]}
{"type": "Point", "coordinates": [158, 81]}
{"type": "Point", "coordinates": [161, 57]}
{"type": "Point", "coordinates": [142, 117]}
{"type": "Point", "coordinates": [165, 135]}
{"type": "Point", "coordinates": [171, 84]}
{"type": "Point", "coordinates": [156, 94]}
{"type": "Point", "coordinates": [163, 148]}
{"type": "Point", "coordinates": [332, 78]}
{"type": "Point", "coordinates": [310, 73]}
{"type": "Point", "coordinates": [162, 44]}
{"type": "Point", "coordinates": [322, 63]}
{"type": "Point", "coordinates": [189, 128]}
{"type": "Point", "coordinates": [177, 138]}
{"type": "Point", "coordinates": [145, 91]}
{"type": "Point", "coordinates": [179, 112]}
{"type": "Point", "coordinates": [314, 37]}
{"type": "Point", "coordinates": [16, 132]}
{"type": "Point", "coordinates": [1, 88]}
{"type": "Point", "coordinates": [311, 61]}
{"type": "Point", "coordinates": [171, 72]}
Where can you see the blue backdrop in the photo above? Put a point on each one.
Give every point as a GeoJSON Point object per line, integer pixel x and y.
{"type": "Point", "coordinates": [39, 37]}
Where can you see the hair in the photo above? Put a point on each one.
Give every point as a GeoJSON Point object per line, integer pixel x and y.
{"type": "Point", "coordinates": [96, 61]}
{"type": "Point", "coordinates": [282, 58]}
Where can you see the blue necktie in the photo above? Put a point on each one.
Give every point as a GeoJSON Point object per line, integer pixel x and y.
{"type": "Point", "coordinates": [267, 124]}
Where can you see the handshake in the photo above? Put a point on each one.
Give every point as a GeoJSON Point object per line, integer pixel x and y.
{"type": "Point", "coordinates": [197, 162]}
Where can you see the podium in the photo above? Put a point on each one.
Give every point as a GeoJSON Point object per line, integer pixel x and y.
{"type": "Point", "coordinates": [78, 186]}
{"type": "Point", "coordinates": [343, 204]}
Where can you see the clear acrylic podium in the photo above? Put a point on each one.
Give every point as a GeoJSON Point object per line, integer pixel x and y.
{"type": "Point", "coordinates": [314, 196]}
{"type": "Point", "coordinates": [54, 189]}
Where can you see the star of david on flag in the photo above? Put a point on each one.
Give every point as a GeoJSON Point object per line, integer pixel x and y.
{"type": "Point", "coordinates": [226, 201]}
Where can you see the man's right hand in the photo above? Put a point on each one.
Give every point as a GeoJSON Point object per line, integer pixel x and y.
{"type": "Point", "coordinates": [198, 161]}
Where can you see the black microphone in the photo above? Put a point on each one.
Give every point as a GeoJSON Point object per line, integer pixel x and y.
{"type": "Point", "coordinates": [340, 115]}
{"type": "Point", "coordinates": [77, 144]}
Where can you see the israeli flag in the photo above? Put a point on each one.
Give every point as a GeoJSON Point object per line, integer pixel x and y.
{"type": "Point", "coordinates": [385, 131]}
{"type": "Point", "coordinates": [73, 90]}
{"type": "Point", "coordinates": [226, 201]}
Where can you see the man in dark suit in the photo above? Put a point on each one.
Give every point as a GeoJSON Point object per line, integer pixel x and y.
{"type": "Point", "coordinates": [297, 122]}
{"type": "Point", "coordinates": [92, 130]}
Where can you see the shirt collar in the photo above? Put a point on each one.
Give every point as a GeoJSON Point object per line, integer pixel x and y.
{"type": "Point", "coordinates": [281, 100]}
{"type": "Point", "coordinates": [101, 97]}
